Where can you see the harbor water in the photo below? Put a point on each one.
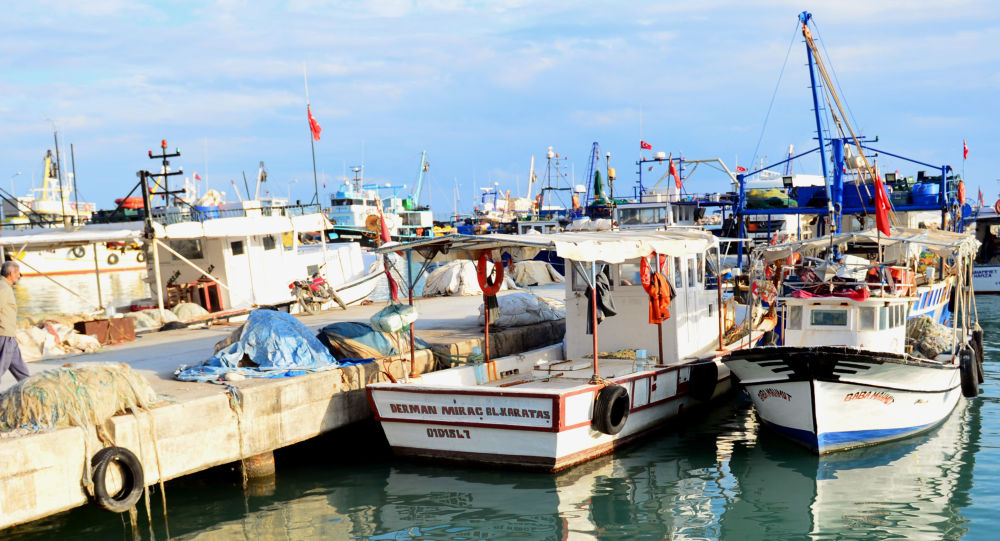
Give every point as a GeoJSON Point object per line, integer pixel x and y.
{"type": "Point", "coordinates": [717, 474]}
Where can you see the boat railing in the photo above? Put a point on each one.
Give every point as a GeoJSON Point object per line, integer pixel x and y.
{"type": "Point", "coordinates": [174, 215]}
{"type": "Point", "coordinates": [880, 280]}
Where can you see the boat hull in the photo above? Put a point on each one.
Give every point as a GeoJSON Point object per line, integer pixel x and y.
{"type": "Point", "coordinates": [547, 429]}
{"type": "Point", "coordinates": [986, 279]}
{"type": "Point", "coordinates": [833, 398]}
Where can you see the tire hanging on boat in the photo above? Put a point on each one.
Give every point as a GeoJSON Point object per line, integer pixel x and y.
{"type": "Point", "coordinates": [704, 378]}
{"type": "Point", "coordinates": [977, 343]}
{"type": "Point", "coordinates": [140, 257]}
{"type": "Point", "coordinates": [611, 409]}
{"type": "Point", "coordinates": [112, 259]}
{"type": "Point", "coordinates": [78, 251]}
{"type": "Point", "coordinates": [969, 372]}
{"type": "Point", "coordinates": [131, 476]}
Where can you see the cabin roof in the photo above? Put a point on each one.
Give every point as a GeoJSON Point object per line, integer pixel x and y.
{"type": "Point", "coordinates": [604, 246]}
{"type": "Point", "coordinates": [40, 238]}
{"type": "Point", "coordinates": [241, 226]}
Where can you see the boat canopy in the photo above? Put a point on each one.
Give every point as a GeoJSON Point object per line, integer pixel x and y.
{"type": "Point", "coordinates": [241, 226]}
{"type": "Point", "coordinates": [603, 246]}
{"type": "Point", "coordinates": [943, 243]}
{"type": "Point", "coordinates": [44, 238]}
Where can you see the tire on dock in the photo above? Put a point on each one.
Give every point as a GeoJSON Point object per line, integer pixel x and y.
{"type": "Point", "coordinates": [132, 479]}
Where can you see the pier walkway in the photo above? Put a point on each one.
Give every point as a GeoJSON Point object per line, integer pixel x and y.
{"type": "Point", "coordinates": [202, 425]}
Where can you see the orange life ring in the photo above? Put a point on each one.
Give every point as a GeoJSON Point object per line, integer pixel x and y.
{"type": "Point", "coordinates": [487, 287]}
{"type": "Point", "coordinates": [996, 206]}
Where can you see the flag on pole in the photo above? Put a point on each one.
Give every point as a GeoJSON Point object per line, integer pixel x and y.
{"type": "Point", "coordinates": [741, 169]}
{"type": "Point", "coordinates": [314, 126]}
{"type": "Point", "coordinates": [980, 197]}
{"type": "Point", "coordinates": [197, 176]}
{"type": "Point", "coordinates": [675, 174]}
{"type": "Point", "coordinates": [645, 146]}
{"type": "Point", "coordinates": [965, 150]}
{"type": "Point", "coordinates": [881, 207]}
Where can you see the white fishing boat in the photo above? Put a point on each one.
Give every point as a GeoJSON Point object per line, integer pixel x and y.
{"type": "Point", "coordinates": [245, 261]}
{"type": "Point", "coordinates": [554, 407]}
{"type": "Point", "coordinates": [877, 336]}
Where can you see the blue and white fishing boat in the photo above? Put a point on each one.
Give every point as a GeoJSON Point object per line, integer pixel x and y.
{"type": "Point", "coordinates": [878, 336]}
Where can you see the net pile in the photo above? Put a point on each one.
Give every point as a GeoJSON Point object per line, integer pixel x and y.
{"type": "Point", "coordinates": [81, 394]}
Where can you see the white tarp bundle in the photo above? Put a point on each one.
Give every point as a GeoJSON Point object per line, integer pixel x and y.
{"type": "Point", "coordinates": [518, 309]}
{"type": "Point", "coordinates": [459, 278]}
{"type": "Point", "coordinates": [535, 273]}
{"type": "Point", "coordinates": [51, 339]}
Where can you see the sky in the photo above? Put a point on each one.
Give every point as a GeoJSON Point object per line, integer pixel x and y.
{"type": "Point", "coordinates": [481, 86]}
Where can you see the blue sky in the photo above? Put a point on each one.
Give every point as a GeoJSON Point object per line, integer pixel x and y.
{"type": "Point", "coordinates": [481, 86]}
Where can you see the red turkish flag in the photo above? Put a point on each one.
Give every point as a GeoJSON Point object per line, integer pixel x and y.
{"type": "Point", "coordinates": [314, 126]}
{"type": "Point", "coordinates": [741, 169]}
{"type": "Point", "coordinates": [675, 174]}
{"type": "Point", "coordinates": [881, 207]}
{"type": "Point", "coordinates": [645, 146]}
{"type": "Point", "coordinates": [965, 150]}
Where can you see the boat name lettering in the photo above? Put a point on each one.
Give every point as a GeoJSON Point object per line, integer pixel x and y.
{"type": "Point", "coordinates": [454, 433]}
{"type": "Point", "coordinates": [982, 273]}
{"type": "Point", "coordinates": [764, 394]}
{"type": "Point", "coordinates": [461, 410]}
{"type": "Point", "coordinates": [413, 408]}
{"type": "Point", "coordinates": [880, 396]}
{"type": "Point", "coordinates": [518, 412]}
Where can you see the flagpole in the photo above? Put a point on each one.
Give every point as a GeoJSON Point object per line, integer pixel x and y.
{"type": "Point", "coordinates": [312, 143]}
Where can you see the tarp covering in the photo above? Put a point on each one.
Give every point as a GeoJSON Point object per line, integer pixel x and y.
{"type": "Point", "coordinates": [360, 341]}
{"type": "Point", "coordinates": [517, 309]}
{"type": "Point", "coordinates": [605, 246]}
{"type": "Point", "coordinates": [535, 273]}
{"type": "Point", "coordinates": [941, 242]}
{"type": "Point", "coordinates": [459, 278]}
{"type": "Point", "coordinates": [270, 344]}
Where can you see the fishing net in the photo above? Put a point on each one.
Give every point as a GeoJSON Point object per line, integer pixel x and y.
{"type": "Point", "coordinates": [81, 394]}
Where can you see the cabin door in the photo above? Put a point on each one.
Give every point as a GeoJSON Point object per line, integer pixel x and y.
{"type": "Point", "coordinates": [239, 271]}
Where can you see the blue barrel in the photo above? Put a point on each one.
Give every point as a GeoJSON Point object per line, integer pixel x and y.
{"type": "Point", "coordinates": [926, 193]}
{"type": "Point", "coordinates": [206, 213]}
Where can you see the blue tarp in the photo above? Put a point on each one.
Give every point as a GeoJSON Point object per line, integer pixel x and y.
{"type": "Point", "coordinates": [277, 343]}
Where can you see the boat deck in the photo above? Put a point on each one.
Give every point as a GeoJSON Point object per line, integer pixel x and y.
{"type": "Point", "coordinates": [565, 374]}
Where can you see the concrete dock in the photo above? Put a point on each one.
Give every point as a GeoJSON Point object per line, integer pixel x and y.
{"type": "Point", "coordinates": [201, 425]}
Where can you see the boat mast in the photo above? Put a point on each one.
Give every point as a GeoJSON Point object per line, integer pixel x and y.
{"type": "Point", "coordinates": [811, 57]}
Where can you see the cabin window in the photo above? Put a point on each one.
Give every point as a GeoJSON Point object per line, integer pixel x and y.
{"type": "Point", "coordinates": [628, 274]}
{"type": "Point", "coordinates": [828, 318]}
{"type": "Point", "coordinates": [269, 243]}
{"type": "Point", "coordinates": [188, 248]}
{"type": "Point", "coordinates": [678, 273]}
{"type": "Point", "coordinates": [794, 318]}
{"type": "Point", "coordinates": [883, 318]}
{"type": "Point", "coordinates": [701, 268]}
{"type": "Point", "coordinates": [866, 320]}
{"type": "Point", "coordinates": [237, 247]}
{"type": "Point", "coordinates": [692, 272]}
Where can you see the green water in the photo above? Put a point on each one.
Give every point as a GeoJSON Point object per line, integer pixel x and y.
{"type": "Point", "coordinates": [716, 475]}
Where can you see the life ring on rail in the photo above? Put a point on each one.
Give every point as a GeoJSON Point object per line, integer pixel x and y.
{"type": "Point", "coordinates": [131, 478]}
{"type": "Point", "coordinates": [969, 372]}
{"type": "Point", "coordinates": [140, 257]}
{"type": "Point", "coordinates": [484, 283]}
{"type": "Point", "coordinates": [611, 408]}
{"type": "Point", "coordinates": [704, 378]}
{"type": "Point", "coordinates": [78, 251]}
{"type": "Point", "coordinates": [112, 259]}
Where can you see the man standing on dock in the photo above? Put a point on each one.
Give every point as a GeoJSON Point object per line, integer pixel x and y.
{"type": "Point", "coordinates": [10, 352]}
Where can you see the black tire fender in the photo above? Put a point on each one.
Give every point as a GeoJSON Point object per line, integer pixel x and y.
{"type": "Point", "coordinates": [969, 372]}
{"type": "Point", "coordinates": [78, 252]}
{"type": "Point", "coordinates": [140, 257]}
{"type": "Point", "coordinates": [704, 378]}
{"type": "Point", "coordinates": [132, 479]}
{"type": "Point", "coordinates": [112, 259]}
{"type": "Point", "coordinates": [611, 409]}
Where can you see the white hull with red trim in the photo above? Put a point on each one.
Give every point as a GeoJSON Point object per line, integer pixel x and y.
{"type": "Point", "coordinates": [523, 419]}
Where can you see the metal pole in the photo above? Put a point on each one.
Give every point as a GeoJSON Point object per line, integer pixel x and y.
{"type": "Point", "coordinates": [593, 311]}
{"type": "Point", "coordinates": [62, 199]}
{"type": "Point", "coordinates": [76, 198]}
{"type": "Point", "coordinates": [97, 275]}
